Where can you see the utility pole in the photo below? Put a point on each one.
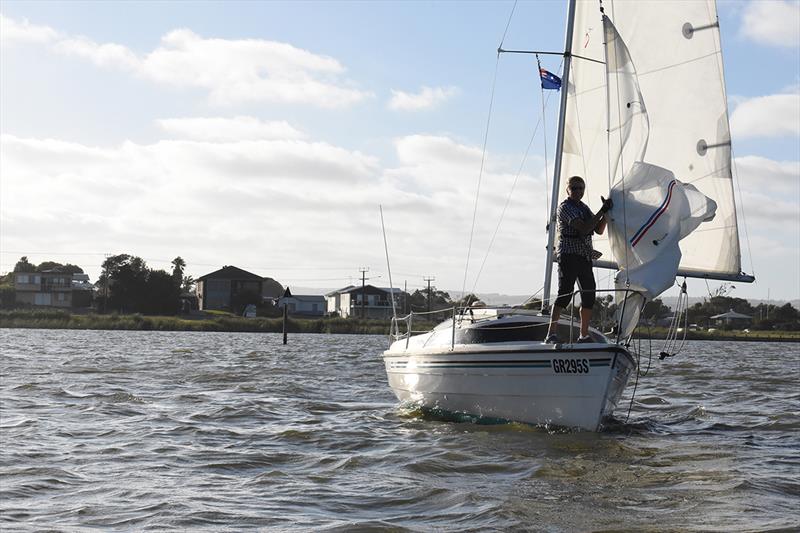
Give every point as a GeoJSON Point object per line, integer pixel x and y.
{"type": "Point", "coordinates": [105, 282]}
{"type": "Point", "coordinates": [429, 279]}
{"type": "Point", "coordinates": [405, 297]}
{"type": "Point", "coordinates": [363, 271]}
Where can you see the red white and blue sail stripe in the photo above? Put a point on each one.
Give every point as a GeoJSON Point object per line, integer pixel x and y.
{"type": "Point", "coordinates": [655, 216]}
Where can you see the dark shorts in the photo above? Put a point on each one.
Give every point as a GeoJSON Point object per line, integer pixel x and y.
{"type": "Point", "coordinates": [570, 268]}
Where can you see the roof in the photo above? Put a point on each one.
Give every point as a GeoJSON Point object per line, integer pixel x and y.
{"type": "Point", "coordinates": [371, 289]}
{"type": "Point", "coordinates": [340, 291]}
{"type": "Point", "coordinates": [231, 272]}
{"type": "Point", "coordinates": [731, 314]}
{"type": "Point", "coordinates": [318, 298]}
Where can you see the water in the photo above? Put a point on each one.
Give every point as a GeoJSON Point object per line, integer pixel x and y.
{"type": "Point", "coordinates": [137, 431]}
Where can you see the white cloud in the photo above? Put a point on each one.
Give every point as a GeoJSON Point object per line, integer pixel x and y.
{"type": "Point", "coordinates": [253, 201]}
{"type": "Point", "coordinates": [103, 55]}
{"type": "Point", "coordinates": [232, 71]}
{"type": "Point", "coordinates": [768, 173]}
{"type": "Point", "coordinates": [774, 115]}
{"type": "Point", "coordinates": [436, 151]}
{"type": "Point", "coordinates": [249, 70]}
{"type": "Point", "coordinates": [772, 22]}
{"type": "Point", "coordinates": [13, 31]}
{"type": "Point", "coordinates": [229, 129]}
{"type": "Point", "coordinates": [771, 191]}
{"type": "Point", "coordinates": [426, 98]}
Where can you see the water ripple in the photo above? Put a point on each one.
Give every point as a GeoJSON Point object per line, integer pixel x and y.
{"type": "Point", "coordinates": [153, 431]}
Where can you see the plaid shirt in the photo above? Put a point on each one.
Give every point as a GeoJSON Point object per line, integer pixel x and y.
{"type": "Point", "coordinates": [570, 241]}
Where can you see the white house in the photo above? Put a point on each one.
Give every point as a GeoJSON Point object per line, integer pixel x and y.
{"type": "Point", "coordinates": [368, 302]}
{"type": "Point", "coordinates": [300, 304]}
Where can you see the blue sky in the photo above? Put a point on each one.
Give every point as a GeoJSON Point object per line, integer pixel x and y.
{"type": "Point", "coordinates": [266, 134]}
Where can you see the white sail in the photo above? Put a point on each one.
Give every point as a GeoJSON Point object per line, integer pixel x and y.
{"type": "Point", "coordinates": [676, 121]}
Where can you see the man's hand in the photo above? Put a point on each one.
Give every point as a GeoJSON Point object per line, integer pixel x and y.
{"type": "Point", "coordinates": [607, 205]}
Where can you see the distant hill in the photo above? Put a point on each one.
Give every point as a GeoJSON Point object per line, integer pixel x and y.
{"type": "Point", "coordinates": [495, 298]}
{"type": "Point", "coordinates": [670, 301]}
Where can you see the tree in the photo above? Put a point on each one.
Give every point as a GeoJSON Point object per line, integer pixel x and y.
{"type": "Point", "coordinates": [127, 283]}
{"type": "Point", "coordinates": [24, 266]}
{"type": "Point", "coordinates": [162, 294]}
{"type": "Point", "coordinates": [655, 309]}
{"type": "Point", "coordinates": [66, 269]}
{"type": "Point", "coordinates": [272, 288]}
{"type": "Point", "coordinates": [178, 266]}
{"type": "Point", "coordinates": [439, 300]}
{"type": "Point", "coordinates": [701, 313]}
{"type": "Point", "coordinates": [187, 284]}
{"type": "Point", "coordinates": [467, 300]}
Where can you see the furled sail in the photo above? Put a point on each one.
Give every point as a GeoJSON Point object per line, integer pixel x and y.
{"type": "Point", "coordinates": [675, 121]}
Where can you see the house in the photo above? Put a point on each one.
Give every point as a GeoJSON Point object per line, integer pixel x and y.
{"type": "Point", "coordinates": [307, 305]}
{"type": "Point", "coordinates": [368, 301]}
{"type": "Point", "coordinates": [732, 318]}
{"type": "Point", "coordinates": [221, 289]}
{"type": "Point", "coordinates": [49, 288]}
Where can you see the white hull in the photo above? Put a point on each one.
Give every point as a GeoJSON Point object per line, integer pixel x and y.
{"type": "Point", "coordinates": [569, 385]}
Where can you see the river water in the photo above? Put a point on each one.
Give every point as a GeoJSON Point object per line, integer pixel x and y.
{"type": "Point", "coordinates": [107, 430]}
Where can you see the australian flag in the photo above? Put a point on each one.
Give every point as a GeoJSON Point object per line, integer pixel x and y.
{"type": "Point", "coordinates": [549, 80]}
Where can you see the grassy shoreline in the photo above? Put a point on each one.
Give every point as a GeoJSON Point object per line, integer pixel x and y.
{"type": "Point", "coordinates": [56, 319]}
{"type": "Point", "coordinates": [64, 320]}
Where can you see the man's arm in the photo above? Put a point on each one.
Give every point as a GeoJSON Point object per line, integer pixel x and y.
{"type": "Point", "coordinates": [595, 224]}
{"type": "Point", "coordinates": [601, 226]}
{"type": "Point", "coordinates": [586, 227]}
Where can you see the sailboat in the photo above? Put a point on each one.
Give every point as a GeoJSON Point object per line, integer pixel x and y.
{"type": "Point", "coordinates": [643, 114]}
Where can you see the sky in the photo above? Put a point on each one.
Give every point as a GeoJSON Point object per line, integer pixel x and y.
{"type": "Point", "coordinates": [266, 135]}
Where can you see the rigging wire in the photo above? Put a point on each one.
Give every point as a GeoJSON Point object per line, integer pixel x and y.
{"type": "Point", "coordinates": [388, 268]}
{"type": "Point", "coordinates": [480, 176]}
{"type": "Point", "coordinates": [544, 140]}
{"type": "Point", "coordinates": [510, 16]}
{"type": "Point", "coordinates": [511, 191]}
{"type": "Point", "coordinates": [483, 154]}
{"type": "Point", "coordinates": [744, 218]}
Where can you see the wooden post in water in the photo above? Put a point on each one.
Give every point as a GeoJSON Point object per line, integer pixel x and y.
{"type": "Point", "coordinates": [286, 294]}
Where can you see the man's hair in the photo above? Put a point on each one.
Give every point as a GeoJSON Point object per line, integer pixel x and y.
{"type": "Point", "coordinates": [575, 179]}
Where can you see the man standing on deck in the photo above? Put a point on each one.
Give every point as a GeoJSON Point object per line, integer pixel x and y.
{"type": "Point", "coordinates": [576, 223]}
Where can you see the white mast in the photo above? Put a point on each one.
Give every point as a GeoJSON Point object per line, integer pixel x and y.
{"type": "Point", "coordinates": [552, 225]}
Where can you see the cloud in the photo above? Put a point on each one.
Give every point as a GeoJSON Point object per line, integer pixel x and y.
{"type": "Point", "coordinates": [426, 98]}
{"type": "Point", "coordinates": [232, 71]}
{"type": "Point", "coordinates": [249, 70]}
{"type": "Point", "coordinates": [13, 31]}
{"type": "Point", "coordinates": [250, 201]}
{"type": "Point", "coordinates": [229, 129]}
{"type": "Point", "coordinates": [103, 55]}
{"type": "Point", "coordinates": [767, 172]}
{"type": "Point", "coordinates": [770, 194]}
{"type": "Point", "coordinates": [772, 22]}
{"type": "Point", "coordinates": [774, 115]}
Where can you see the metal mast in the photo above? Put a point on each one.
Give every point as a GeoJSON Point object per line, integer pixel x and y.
{"type": "Point", "coordinates": [552, 224]}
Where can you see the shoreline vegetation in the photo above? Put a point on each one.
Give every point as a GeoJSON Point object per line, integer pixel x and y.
{"type": "Point", "coordinates": [223, 322]}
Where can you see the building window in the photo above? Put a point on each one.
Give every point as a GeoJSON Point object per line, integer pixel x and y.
{"type": "Point", "coordinates": [22, 278]}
